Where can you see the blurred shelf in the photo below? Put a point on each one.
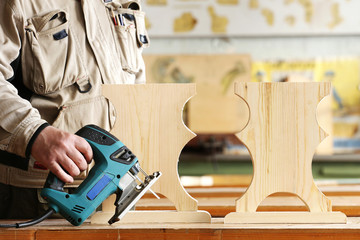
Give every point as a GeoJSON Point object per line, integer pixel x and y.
{"type": "Point", "coordinates": [324, 167]}
{"type": "Point", "coordinates": [246, 157]}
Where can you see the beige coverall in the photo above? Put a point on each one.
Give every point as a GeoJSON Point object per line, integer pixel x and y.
{"type": "Point", "coordinates": [66, 50]}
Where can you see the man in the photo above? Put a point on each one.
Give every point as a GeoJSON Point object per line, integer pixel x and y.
{"type": "Point", "coordinates": [54, 57]}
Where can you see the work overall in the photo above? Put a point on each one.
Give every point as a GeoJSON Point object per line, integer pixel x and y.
{"type": "Point", "coordinates": [54, 57]}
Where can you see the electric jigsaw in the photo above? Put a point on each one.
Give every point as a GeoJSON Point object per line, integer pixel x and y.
{"type": "Point", "coordinates": [116, 171]}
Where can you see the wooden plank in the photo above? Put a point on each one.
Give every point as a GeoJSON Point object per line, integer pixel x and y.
{"type": "Point", "coordinates": [216, 223]}
{"type": "Point", "coordinates": [201, 234]}
{"type": "Point", "coordinates": [153, 216]}
{"type": "Point", "coordinates": [285, 217]}
{"type": "Point", "coordinates": [83, 234]}
{"type": "Point", "coordinates": [281, 136]}
{"type": "Point", "coordinates": [129, 234]}
{"type": "Point", "coordinates": [271, 234]}
{"type": "Point", "coordinates": [173, 234]}
{"type": "Point", "coordinates": [15, 234]}
{"type": "Point", "coordinates": [220, 206]}
{"type": "Point", "coordinates": [324, 117]}
{"type": "Point", "coordinates": [216, 230]}
{"type": "Point", "coordinates": [149, 122]}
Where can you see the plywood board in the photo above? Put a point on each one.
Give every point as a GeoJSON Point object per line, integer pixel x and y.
{"type": "Point", "coordinates": [149, 122]}
{"type": "Point", "coordinates": [155, 216]}
{"type": "Point", "coordinates": [286, 217]}
{"type": "Point", "coordinates": [282, 135]}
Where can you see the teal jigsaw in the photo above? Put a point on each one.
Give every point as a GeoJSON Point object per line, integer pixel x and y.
{"type": "Point", "coordinates": [115, 172]}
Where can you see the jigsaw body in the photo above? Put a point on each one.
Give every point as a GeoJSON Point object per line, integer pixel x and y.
{"type": "Point", "coordinates": [115, 171]}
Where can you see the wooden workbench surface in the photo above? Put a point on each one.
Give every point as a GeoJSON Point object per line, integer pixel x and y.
{"type": "Point", "coordinates": [221, 206]}
{"type": "Point", "coordinates": [218, 201]}
{"type": "Point", "coordinates": [217, 230]}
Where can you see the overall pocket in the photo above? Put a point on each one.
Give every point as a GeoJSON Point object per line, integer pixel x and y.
{"type": "Point", "coordinates": [130, 33]}
{"type": "Point", "coordinates": [97, 110]}
{"type": "Point", "coordinates": [51, 54]}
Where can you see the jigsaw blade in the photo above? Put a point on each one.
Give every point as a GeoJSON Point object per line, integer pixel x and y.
{"type": "Point", "coordinates": [130, 196]}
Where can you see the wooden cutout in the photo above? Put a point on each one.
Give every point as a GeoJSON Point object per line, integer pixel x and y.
{"type": "Point", "coordinates": [282, 135]}
{"type": "Point", "coordinates": [286, 217]}
{"type": "Point", "coordinates": [156, 216]}
{"type": "Point", "coordinates": [324, 118]}
{"type": "Point", "coordinates": [149, 122]}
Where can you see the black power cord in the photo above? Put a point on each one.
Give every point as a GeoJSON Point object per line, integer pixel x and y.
{"type": "Point", "coordinates": [29, 223]}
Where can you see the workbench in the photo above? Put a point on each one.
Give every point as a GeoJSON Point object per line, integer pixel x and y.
{"type": "Point", "coordinates": [216, 230]}
{"type": "Point", "coordinates": [219, 201]}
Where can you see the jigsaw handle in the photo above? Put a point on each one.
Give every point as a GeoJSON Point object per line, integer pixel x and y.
{"type": "Point", "coordinates": [53, 182]}
{"type": "Point", "coordinates": [87, 132]}
{"type": "Point", "coordinates": [112, 162]}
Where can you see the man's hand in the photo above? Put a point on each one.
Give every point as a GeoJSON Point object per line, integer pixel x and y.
{"type": "Point", "coordinates": [58, 150]}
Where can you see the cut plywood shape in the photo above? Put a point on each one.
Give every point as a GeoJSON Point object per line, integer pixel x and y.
{"type": "Point", "coordinates": [149, 122]}
{"type": "Point", "coordinates": [282, 135]}
{"type": "Point", "coordinates": [155, 217]}
{"type": "Point", "coordinates": [215, 108]}
{"type": "Point", "coordinates": [324, 117]}
{"type": "Point", "coordinates": [286, 217]}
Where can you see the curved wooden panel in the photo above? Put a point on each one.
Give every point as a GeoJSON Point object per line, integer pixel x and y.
{"type": "Point", "coordinates": [149, 122]}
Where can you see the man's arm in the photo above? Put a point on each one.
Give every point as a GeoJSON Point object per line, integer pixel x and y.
{"type": "Point", "coordinates": [19, 121]}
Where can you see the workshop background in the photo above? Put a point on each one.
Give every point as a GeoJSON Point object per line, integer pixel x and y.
{"type": "Point", "coordinates": [216, 42]}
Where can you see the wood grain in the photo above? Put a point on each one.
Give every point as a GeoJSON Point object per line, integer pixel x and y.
{"type": "Point", "coordinates": [282, 135]}
{"type": "Point", "coordinates": [154, 216]}
{"type": "Point", "coordinates": [149, 122]}
{"type": "Point", "coordinates": [61, 229]}
{"type": "Point", "coordinates": [11, 234]}
{"type": "Point", "coordinates": [220, 206]}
